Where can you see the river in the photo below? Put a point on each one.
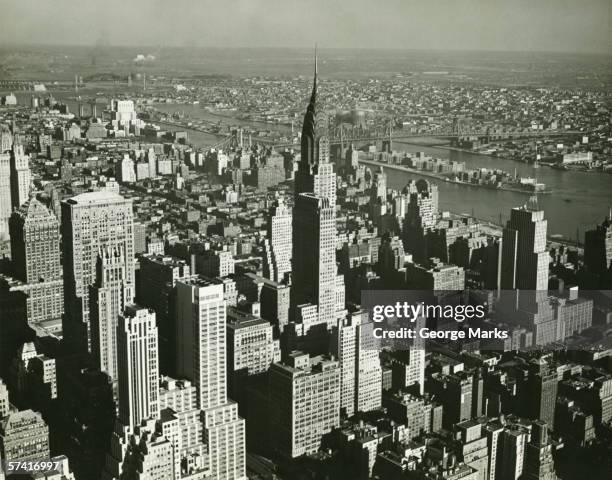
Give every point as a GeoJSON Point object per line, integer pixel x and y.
{"type": "Point", "coordinates": [579, 201]}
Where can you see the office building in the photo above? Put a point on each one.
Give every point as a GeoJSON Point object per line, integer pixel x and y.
{"type": "Point", "coordinates": [138, 366]}
{"type": "Point", "coordinates": [454, 391]}
{"type": "Point", "coordinates": [108, 297]}
{"type": "Point", "coordinates": [24, 437]}
{"type": "Point", "coordinates": [4, 400]}
{"type": "Point", "coordinates": [524, 255]}
{"type": "Point", "coordinates": [35, 250]}
{"type": "Point", "coordinates": [598, 249]}
{"type": "Point", "coordinates": [352, 343]}
{"type": "Point", "coordinates": [156, 279]}
{"type": "Point", "coordinates": [91, 222]}
{"type": "Point", "coordinates": [201, 358]}
{"type": "Point", "coordinates": [408, 363]}
{"type": "Point", "coordinates": [539, 464]}
{"type": "Point", "coordinates": [420, 204]}
{"type": "Point", "coordinates": [304, 403]}
{"type": "Point", "coordinates": [6, 202]}
{"type": "Point", "coordinates": [20, 176]}
{"type": "Point", "coordinates": [314, 256]}
{"type": "Point", "coordinates": [251, 348]}
{"type": "Point", "coordinates": [279, 251]}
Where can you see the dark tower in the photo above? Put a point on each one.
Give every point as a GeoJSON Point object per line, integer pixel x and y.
{"type": "Point", "coordinates": [315, 173]}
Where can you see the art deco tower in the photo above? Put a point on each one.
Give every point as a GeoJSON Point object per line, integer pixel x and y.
{"type": "Point", "coordinates": [314, 220]}
{"type": "Point", "coordinates": [315, 174]}
{"type": "Point", "coordinates": [91, 222]}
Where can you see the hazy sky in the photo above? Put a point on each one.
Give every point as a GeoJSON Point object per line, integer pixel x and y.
{"type": "Point", "coordinates": [541, 25]}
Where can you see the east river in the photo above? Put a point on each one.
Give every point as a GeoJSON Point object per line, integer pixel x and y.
{"type": "Point", "coordinates": [579, 200]}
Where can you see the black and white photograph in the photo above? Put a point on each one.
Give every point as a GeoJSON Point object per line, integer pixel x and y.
{"type": "Point", "coordinates": [306, 240]}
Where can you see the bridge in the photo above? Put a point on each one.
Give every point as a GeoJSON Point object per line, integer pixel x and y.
{"type": "Point", "coordinates": [345, 135]}
{"type": "Point", "coordinates": [371, 137]}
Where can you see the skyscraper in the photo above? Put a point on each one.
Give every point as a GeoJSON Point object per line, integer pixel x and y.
{"type": "Point", "coordinates": [421, 213]}
{"type": "Point", "coordinates": [280, 244]}
{"type": "Point", "coordinates": [24, 436]}
{"type": "Point", "coordinates": [360, 370]}
{"type": "Point", "coordinates": [155, 289]}
{"type": "Point", "coordinates": [201, 358]}
{"type": "Point", "coordinates": [598, 248]}
{"type": "Point", "coordinates": [35, 250]}
{"type": "Point", "coordinates": [539, 464]}
{"type": "Point", "coordinates": [91, 222]}
{"type": "Point", "coordinates": [201, 347]}
{"type": "Point", "coordinates": [5, 194]}
{"type": "Point", "coordinates": [314, 255]}
{"type": "Point", "coordinates": [304, 403]}
{"type": "Point", "coordinates": [315, 174]}
{"type": "Point", "coordinates": [524, 256]}
{"type": "Point", "coordinates": [108, 296]}
{"type": "Point", "coordinates": [35, 243]}
{"type": "Point", "coordinates": [138, 366]}
{"type": "Point", "coordinates": [20, 176]}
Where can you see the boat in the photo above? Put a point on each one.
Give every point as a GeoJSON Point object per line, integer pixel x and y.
{"type": "Point", "coordinates": [567, 200]}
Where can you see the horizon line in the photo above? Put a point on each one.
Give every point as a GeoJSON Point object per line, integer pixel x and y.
{"type": "Point", "coordinates": [8, 45]}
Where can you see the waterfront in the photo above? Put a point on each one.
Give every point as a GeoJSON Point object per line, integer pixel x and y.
{"type": "Point", "coordinates": [578, 202]}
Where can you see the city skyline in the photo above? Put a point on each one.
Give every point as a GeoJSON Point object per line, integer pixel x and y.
{"type": "Point", "coordinates": [210, 277]}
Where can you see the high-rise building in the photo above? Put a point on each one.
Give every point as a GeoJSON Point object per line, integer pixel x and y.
{"type": "Point", "coordinates": [493, 431]}
{"type": "Point", "coordinates": [108, 297]}
{"type": "Point", "coordinates": [524, 256]}
{"type": "Point", "coordinates": [24, 436]}
{"type": "Point", "coordinates": [156, 279]}
{"type": "Point", "coordinates": [304, 403]}
{"type": "Point", "coordinates": [138, 366]}
{"type": "Point", "coordinates": [201, 347]}
{"type": "Point", "coordinates": [314, 256]}
{"type": "Point", "coordinates": [435, 275]}
{"type": "Point", "coordinates": [360, 369]}
{"type": "Point", "coordinates": [125, 170]}
{"type": "Point", "coordinates": [91, 222]}
{"type": "Point", "coordinates": [539, 464]}
{"type": "Point", "coordinates": [598, 248]}
{"type": "Point", "coordinates": [4, 400]}
{"type": "Point", "coordinates": [511, 459]}
{"type": "Point", "coordinates": [201, 358]}
{"type": "Point", "coordinates": [280, 245]}
{"type": "Point", "coordinates": [6, 139]}
{"type": "Point", "coordinates": [35, 250]}
{"type": "Point", "coordinates": [421, 213]}
{"type": "Point", "coordinates": [473, 450]}
{"type": "Point", "coordinates": [20, 176]}
{"type": "Point", "coordinates": [408, 364]}
{"type": "Point", "coordinates": [315, 174]}
{"type": "Point", "coordinates": [275, 301]}
{"type": "Point", "coordinates": [35, 243]}
{"type": "Point", "coordinates": [455, 393]}
{"type": "Point", "coordinates": [5, 194]}
{"type": "Point", "coordinates": [251, 348]}
{"type": "Point", "coordinates": [541, 391]}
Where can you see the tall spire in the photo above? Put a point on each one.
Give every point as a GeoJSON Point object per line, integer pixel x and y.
{"type": "Point", "coordinates": [313, 96]}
